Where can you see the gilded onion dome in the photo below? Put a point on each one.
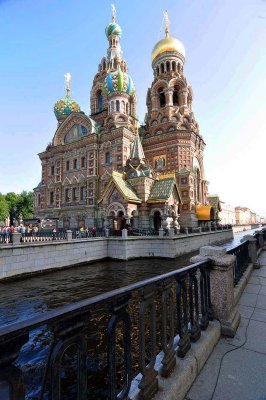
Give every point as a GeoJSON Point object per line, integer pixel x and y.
{"type": "Point", "coordinates": [113, 29]}
{"type": "Point", "coordinates": [168, 44]}
{"type": "Point", "coordinates": [66, 106]}
{"type": "Point", "coordinates": [118, 81]}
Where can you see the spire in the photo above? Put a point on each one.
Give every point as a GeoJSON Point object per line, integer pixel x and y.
{"type": "Point", "coordinates": [67, 77]}
{"type": "Point", "coordinates": [137, 149]}
{"type": "Point", "coordinates": [166, 22]}
{"type": "Point", "coordinates": [113, 12]}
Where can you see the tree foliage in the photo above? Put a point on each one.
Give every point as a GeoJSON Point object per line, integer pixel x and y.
{"type": "Point", "coordinates": [16, 205]}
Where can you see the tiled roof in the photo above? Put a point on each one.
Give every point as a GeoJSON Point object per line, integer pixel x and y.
{"type": "Point", "coordinates": [123, 186]}
{"type": "Point", "coordinates": [162, 189]}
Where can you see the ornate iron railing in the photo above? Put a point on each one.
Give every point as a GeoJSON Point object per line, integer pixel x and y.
{"type": "Point", "coordinates": [241, 261]}
{"type": "Point", "coordinates": [95, 346]}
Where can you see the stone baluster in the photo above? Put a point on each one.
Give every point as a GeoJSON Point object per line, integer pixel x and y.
{"type": "Point", "coordinates": [69, 235]}
{"type": "Point", "coordinates": [221, 287]}
{"type": "Point", "coordinates": [16, 238]}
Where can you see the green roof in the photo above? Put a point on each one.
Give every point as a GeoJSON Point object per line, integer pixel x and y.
{"type": "Point", "coordinates": [162, 189]}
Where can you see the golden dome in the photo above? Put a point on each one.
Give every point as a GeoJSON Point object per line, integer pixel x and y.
{"type": "Point", "coordinates": [168, 44]}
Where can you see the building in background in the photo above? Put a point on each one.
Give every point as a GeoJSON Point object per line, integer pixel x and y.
{"type": "Point", "coordinates": [105, 170]}
{"type": "Point", "coordinates": [227, 215]}
{"type": "Point", "coordinates": [243, 216]}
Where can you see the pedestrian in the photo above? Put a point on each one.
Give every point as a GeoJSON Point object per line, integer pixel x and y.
{"type": "Point", "coordinates": [54, 234]}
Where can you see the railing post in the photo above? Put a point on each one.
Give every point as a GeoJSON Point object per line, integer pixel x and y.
{"type": "Point", "coordinates": [252, 250]}
{"type": "Point", "coordinates": [161, 232]}
{"type": "Point", "coordinates": [16, 238]}
{"type": "Point", "coordinates": [261, 240]}
{"type": "Point", "coordinates": [221, 287]}
{"type": "Point", "coordinates": [171, 232]}
{"type": "Point", "coordinates": [68, 235]}
{"type": "Point", "coordinates": [124, 233]}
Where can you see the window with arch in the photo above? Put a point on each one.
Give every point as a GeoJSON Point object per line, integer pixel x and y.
{"type": "Point", "coordinates": [123, 107]}
{"type": "Point", "coordinates": [117, 105]}
{"type": "Point", "coordinates": [107, 157]}
{"type": "Point", "coordinates": [39, 199]}
{"type": "Point", "coordinates": [161, 97]}
{"type": "Point", "coordinates": [157, 71]}
{"type": "Point", "coordinates": [127, 108]}
{"type": "Point", "coordinates": [175, 96]}
{"type": "Point", "coordinates": [162, 68]}
{"type": "Point", "coordinates": [99, 101]}
{"type": "Point", "coordinates": [174, 66]}
{"type": "Point", "coordinates": [112, 106]}
{"type": "Point", "coordinates": [167, 66]}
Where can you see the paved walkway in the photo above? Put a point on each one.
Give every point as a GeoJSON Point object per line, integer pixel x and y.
{"type": "Point", "coordinates": [236, 370]}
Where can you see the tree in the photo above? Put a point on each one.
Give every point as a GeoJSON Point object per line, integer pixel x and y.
{"type": "Point", "coordinates": [4, 209]}
{"type": "Point", "coordinates": [12, 199]}
{"type": "Point", "coordinates": [25, 204]}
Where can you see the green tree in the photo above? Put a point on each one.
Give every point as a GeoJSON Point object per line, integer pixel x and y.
{"type": "Point", "coordinates": [25, 204]}
{"type": "Point", "coordinates": [12, 200]}
{"type": "Point", "coordinates": [4, 209]}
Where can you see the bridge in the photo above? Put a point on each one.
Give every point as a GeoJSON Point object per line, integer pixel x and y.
{"type": "Point", "coordinates": [149, 340]}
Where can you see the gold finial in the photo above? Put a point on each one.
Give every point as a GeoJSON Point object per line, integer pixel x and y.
{"type": "Point", "coordinates": [113, 12]}
{"type": "Point", "coordinates": [166, 21]}
{"type": "Point", "coordinates": [67, 77]}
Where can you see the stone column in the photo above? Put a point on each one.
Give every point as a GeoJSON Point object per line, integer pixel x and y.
{"type": "Point", "coordinates": [161, 232]}
{"type": "Point", "coordinates": [171, 232]}
{"type": "Point", "coordinates": [261, 241]}
{"type": "Point", "coordinates": [252, 250]}
{"type": "Point", "coordinates": [16, 238]}
{"type": "Point", "coordinates": [124, 233]}
{"type": "Point", "coordinates": [222, 287]}
{"type": "Point", "coordinates": [68, 235]}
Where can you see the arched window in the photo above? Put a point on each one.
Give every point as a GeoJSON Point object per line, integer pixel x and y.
{"type": "Point", "coordinates": [175, 96]}
{"type": "Point", "coordinates": [99, 101]}
{"type": "Point", "coordinates": [167, 66]}
{"type": "Point", "coordinates": [39, 199]}
{"type": "Point", "coordinates": [117, 105]}
{"type": "Point", "coordinates": [173, 65]}
{"type": "Point", "coordinates": [157, 71]}
{"type": "Point", "coordinates": [157, 220]}
{"type": "Point", "coordinates": [104, 65]}
{"type": "Point", "coordinates": [112, 106]}
{"type": "Point", "coordinates": [123, 107]}
{"type": "Point", "coordinates": [162, 68]}
{"type": "Point", "coordinates": [162, 97]}
{"type": "Point", "coordinates": [107, 157]}
{"type": "Point", "coordinates": [179, 68]}
{"type": "Point", "coordinates": [127, 108]}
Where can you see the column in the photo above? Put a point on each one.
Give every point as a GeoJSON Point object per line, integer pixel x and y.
{"type": "Point", "coordinates": [222, 287]}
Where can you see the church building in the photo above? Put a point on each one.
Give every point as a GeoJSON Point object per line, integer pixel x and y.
{"type": "Point", "coordinates": [106, 170]}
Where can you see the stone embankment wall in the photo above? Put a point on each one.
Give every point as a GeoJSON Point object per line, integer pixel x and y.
{"type": "Point", "coordinates": [38, 257]}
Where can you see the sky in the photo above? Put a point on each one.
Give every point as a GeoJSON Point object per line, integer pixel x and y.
{"type": "Point", "coordinates": [225, 43]}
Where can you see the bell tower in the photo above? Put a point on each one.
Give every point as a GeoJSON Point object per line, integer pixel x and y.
{"type": "Point", "coordinates": [171, 141]}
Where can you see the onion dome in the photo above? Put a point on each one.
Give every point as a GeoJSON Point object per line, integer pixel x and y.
{"type": "Point", "coordinates": [118, 81]}
{"type": "Point", "coordinates": [65, 106]}
{"type": "Point", "coordinates": [113, 29]}
{"type": "Point", "coordinates": [168, 44]}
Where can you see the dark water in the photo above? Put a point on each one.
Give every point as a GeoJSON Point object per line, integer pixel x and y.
{"type": "Point", "coordinates": [25, 298]}
{"type": "Point", "coordinates": [22, 299]}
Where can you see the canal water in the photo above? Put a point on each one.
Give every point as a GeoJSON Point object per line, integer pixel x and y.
{"type": "Point", "coordinates": [25, 298]}
{"type": "Point", "coordinates": [28, 297]}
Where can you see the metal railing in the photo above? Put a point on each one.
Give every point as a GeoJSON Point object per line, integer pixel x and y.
{"type": "Point", "coordinates": [95, 346]}
{"type": "Point", "coordinates": [241, 261]}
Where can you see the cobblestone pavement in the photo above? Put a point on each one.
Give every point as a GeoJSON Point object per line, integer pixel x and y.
{"type": "Point", "coordinates": [236, 370]}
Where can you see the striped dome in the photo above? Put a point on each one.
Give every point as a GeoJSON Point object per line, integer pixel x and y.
{"type": "Point", "coordinates": [118, 81]}
{"type": "Point", "coordinates": [65, 107]}
{"type": "Point", "coordinates": [113, 29]}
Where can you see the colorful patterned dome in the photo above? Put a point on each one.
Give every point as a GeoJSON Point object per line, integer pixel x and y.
{"type": "Point", "coordinates": [65, 107]}
{"type": "Point", "coordinates": [118, 81]}
{"type": "Point", "coordinates": [170, 44]}
{"type": "Point", "coordinates": [113, 29]}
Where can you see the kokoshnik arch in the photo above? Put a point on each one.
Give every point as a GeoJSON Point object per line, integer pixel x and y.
{"type": "Point", "coordinates": [106, 170]}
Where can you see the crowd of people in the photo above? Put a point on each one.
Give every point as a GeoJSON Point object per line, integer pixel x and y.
{"type": "Point", "coordinates": [6, 232]}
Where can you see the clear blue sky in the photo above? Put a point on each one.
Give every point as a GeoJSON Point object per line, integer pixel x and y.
{"type": "Point", "coordinates": [225, 41]}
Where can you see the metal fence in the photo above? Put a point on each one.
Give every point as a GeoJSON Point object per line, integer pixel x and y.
{"type": "Point", "coordinates": [96, 346]}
